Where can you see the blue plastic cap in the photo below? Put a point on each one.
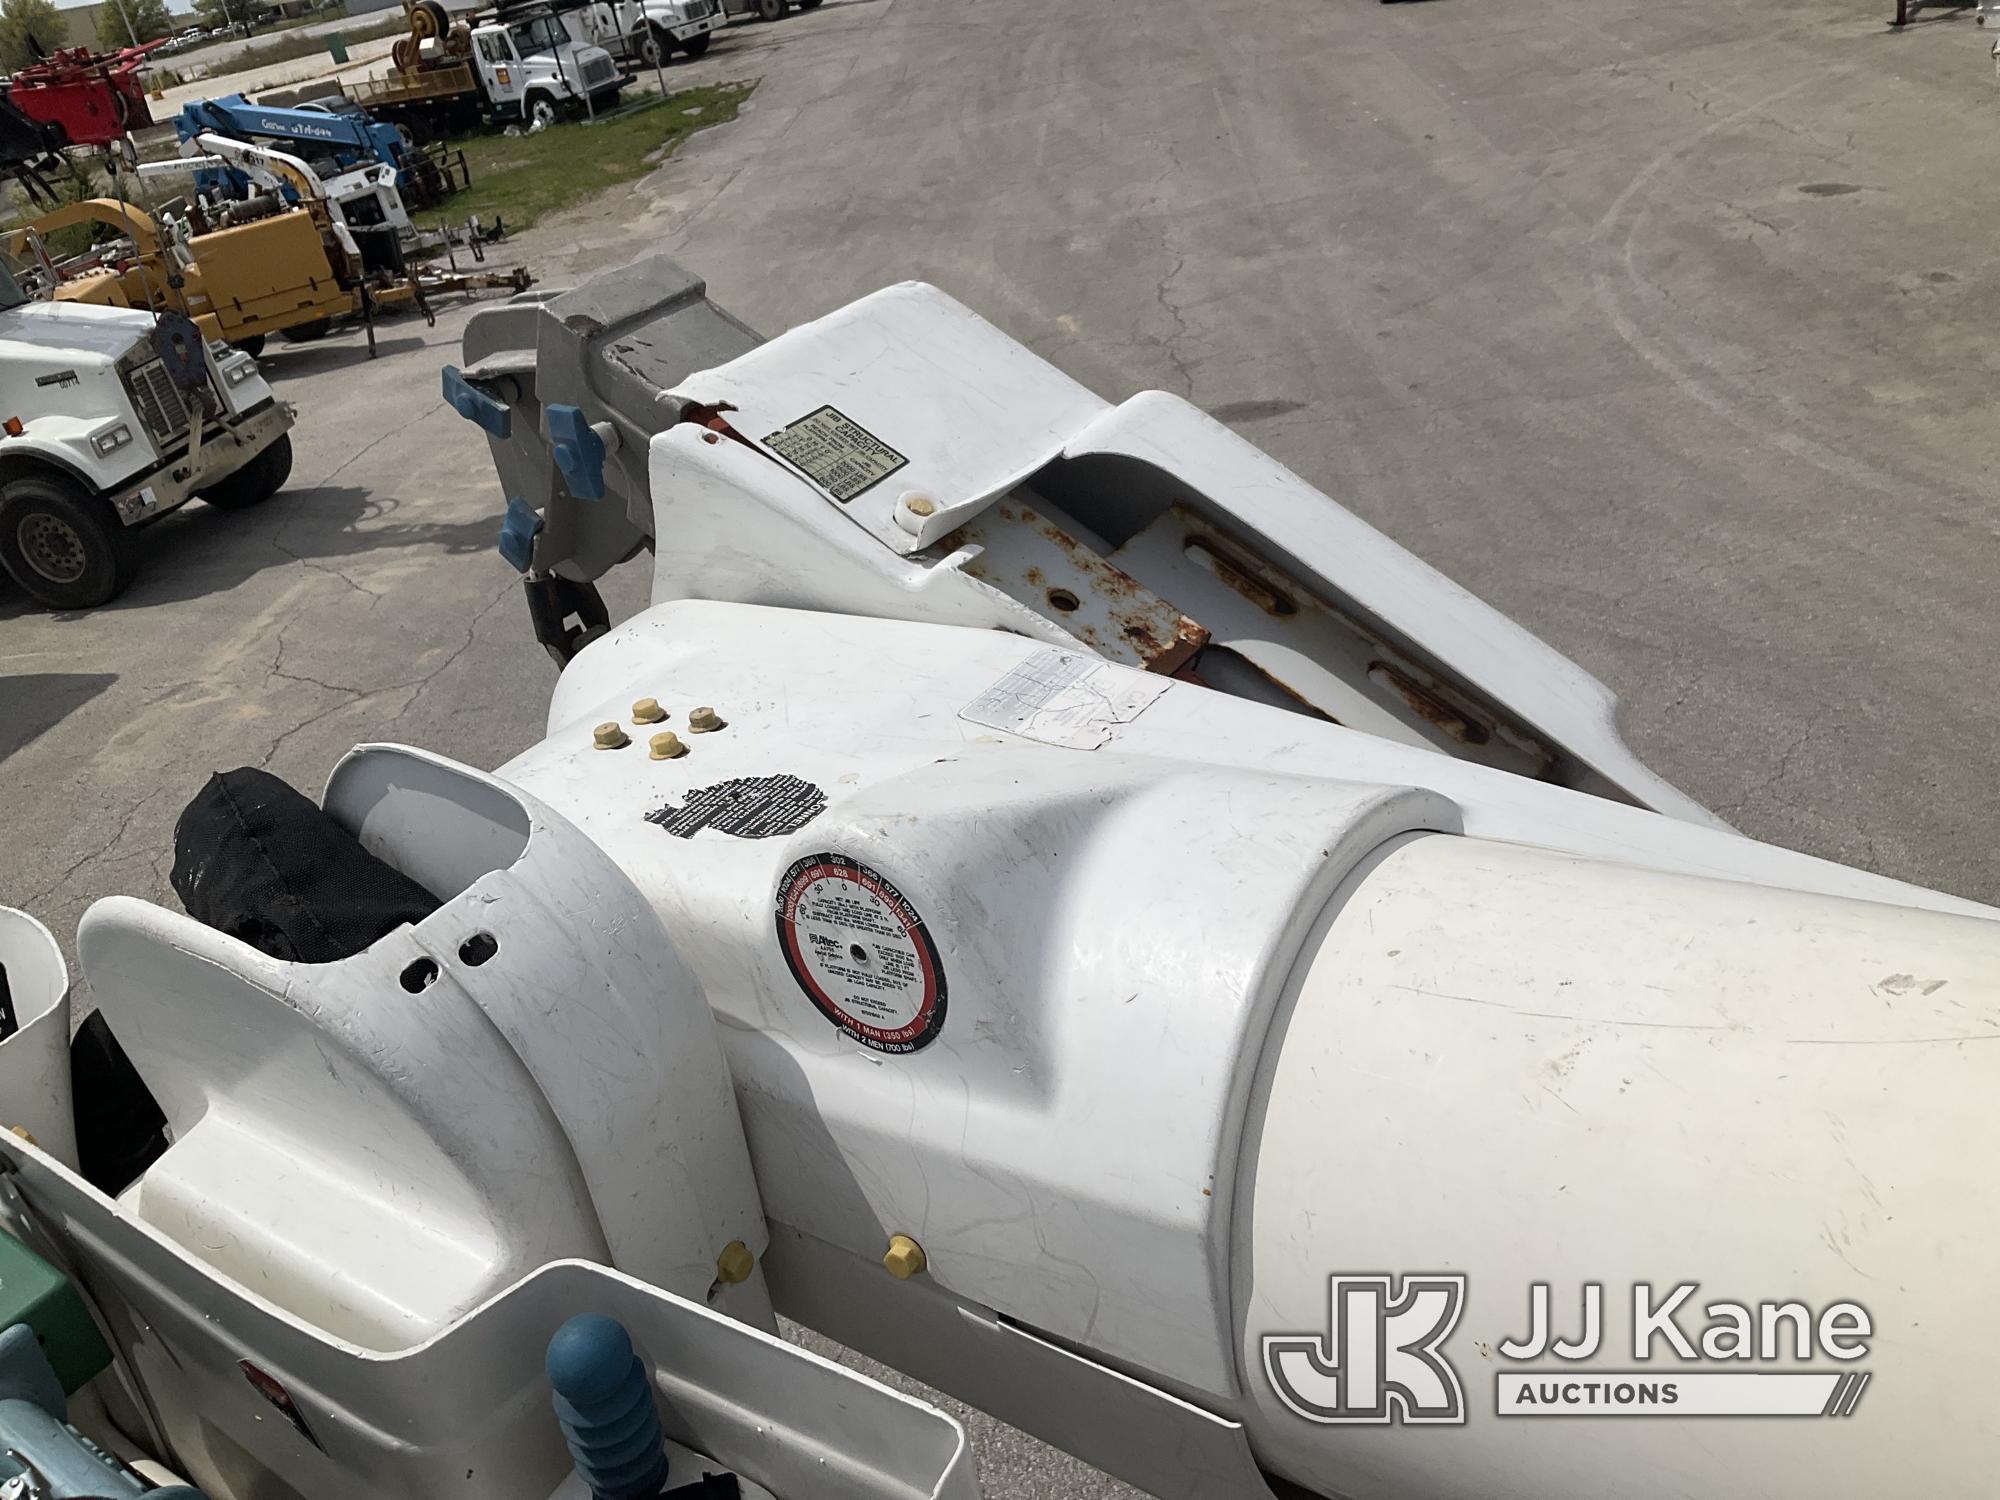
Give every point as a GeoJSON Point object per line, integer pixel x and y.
{"type": "Point", "coordinates": [518, 533]}
{"type": "Point", "coordinates": [579, 452]}
{"type": "Point", "coordinates": [589, 1358]}
{"type": "Point", "coordinates": [475, 405]}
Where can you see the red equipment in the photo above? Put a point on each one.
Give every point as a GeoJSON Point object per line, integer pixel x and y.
{"type": "Point", "coordinates": [92, 97]}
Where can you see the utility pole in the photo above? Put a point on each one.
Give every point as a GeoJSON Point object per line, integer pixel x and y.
{"type": "Point", "coordinates": [132, 37]}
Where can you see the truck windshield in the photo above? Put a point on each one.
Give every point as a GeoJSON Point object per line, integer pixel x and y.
{"type": "Point", "coordinates": [539, 35]}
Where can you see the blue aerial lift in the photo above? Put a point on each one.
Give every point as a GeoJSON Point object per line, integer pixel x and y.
{"type": "Point", "coordinates": [333, 136]}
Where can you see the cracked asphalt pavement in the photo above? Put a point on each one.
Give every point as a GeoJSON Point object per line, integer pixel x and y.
{"type": "Point", "coordinates": [1658, 326]}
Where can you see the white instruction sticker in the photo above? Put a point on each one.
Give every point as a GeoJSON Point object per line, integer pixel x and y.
{"type": "Point", "coordinates": [836, 453]}
{"type": "Point", "coordinates": [1064, 698]}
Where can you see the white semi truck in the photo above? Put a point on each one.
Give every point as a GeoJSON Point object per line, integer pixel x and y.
{"type": "Point", "coordinates": [110, 418]}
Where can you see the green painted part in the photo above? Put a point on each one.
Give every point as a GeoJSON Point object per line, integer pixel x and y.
{"type": "Point", "coordinates": [34, 1292]}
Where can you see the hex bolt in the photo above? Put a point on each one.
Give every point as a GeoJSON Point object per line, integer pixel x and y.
{"type": "Point", "coordinates": [735, 1263]}
{"type": "Point", "coordinates": [704, 721]}
{"type": "Point", "coordinates": [666, 745]}
{"type": "Point", "coordinates": [648, 711]}
{"type": "Point", "coordinates": [609, 737]}
{"type": "Point", "coordinates": [904, 1258]}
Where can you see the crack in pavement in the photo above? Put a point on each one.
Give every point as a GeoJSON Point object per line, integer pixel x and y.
{"type": "Point", "coordinates": [380, 438]}
{"type": "Point", "coordinates": [1170, 346]}
{"type": "Point", "coordinates": [124, 826]}
{"type": "Point", "coordinates": [415, 686]}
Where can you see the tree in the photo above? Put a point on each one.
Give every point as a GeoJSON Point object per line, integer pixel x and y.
{"type": "Point", "coordinates": [26, 25]}
{"type": "Point", "coordinates": [216, 14]}
{"type": "Point", "coordinates": [148, 22]}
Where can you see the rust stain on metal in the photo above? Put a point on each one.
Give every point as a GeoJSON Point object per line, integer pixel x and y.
{"type": "Point", "coordinates": [1241, 578]}
{"type": "Point", "coordinates": [713, 418]}
{"type": "Point", "coordinates": [1113, 582]}
{"type": "Point", "coordinates": [1427, 705]}
{"type": "Point", "coordinates": [1180, 652]}
{"type": "Point", "coordinates": [1094, 600]}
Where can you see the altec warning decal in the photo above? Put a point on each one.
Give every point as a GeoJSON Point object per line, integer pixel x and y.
{"type": "Point", "coordinates": [861, 953]}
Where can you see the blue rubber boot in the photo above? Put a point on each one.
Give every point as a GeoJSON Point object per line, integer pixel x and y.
{"type": "Point", "coordinates": [604, 1402]}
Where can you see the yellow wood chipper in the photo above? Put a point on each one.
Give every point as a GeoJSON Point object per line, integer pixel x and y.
{"type": "Point", "coordinates": [293, 265]}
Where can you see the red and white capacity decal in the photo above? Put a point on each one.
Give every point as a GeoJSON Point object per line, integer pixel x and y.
{"type": "Point", "coordinates": [861, 953]}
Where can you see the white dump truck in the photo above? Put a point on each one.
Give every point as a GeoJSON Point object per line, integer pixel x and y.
{"type": "Point", "coordinates": [99, 436]}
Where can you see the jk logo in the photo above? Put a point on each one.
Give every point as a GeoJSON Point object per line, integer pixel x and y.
{"type": "Point", "coordinates": [1380, 1360]}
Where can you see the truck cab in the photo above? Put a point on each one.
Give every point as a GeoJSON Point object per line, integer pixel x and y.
{"type": "Point", "coordinates": [648, 32]}
{"type": "Point", "coordinates": [109, 419]}
{"type": "Point", "coordinates": [532, 70]}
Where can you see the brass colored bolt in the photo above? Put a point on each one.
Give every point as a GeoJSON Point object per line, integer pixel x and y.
{"type": "Point", "coordinates": [666, 745]}
{"type": "Point", "coordinates": [22, 1132]}
{"type": "Point", "coordinates": [921, 505]}
{"type": "Point", "coordinates": [904, 1257]}
{"type": "Point", "coordinates": [703, 721]}
{"type": "Point", "coordinates": [648, 711]}
{"type": "Point", "coordinates": [610, 737]}
{"type": "Point", "coordinates": [735, 1263]}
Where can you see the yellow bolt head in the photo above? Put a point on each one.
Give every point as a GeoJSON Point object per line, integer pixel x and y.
{"type": "Point", "coordinates": [666, 745]}
{"type": "Point", "coordinates": [921, 505]}
{"type": "Point", "coordinates": [735, 1263]}
{"type": "Point", "coordinates": [904, 1258]}
{"type": "Point", "coordinates": [609, 737]}
{"type": "Point", "coordinates": [648, 711]}
{"type": "Point", "coordinates": [702, 720]}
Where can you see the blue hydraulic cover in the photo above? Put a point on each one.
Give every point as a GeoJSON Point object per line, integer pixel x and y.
{"type": "Point", "coordinates": [346, 135]}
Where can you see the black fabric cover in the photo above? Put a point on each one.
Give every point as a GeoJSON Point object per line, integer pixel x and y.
{"type": "Point", "coordinates": [256, 860]}
{"type": "Point", "coordinates": [119, 1128]}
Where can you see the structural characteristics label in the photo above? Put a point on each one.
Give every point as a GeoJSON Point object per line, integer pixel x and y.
{"type": "Point", "coordinates": [1064, 698]}
{"type": "Point", "coordinates": [837, 453]}
{"type": "Point", "coordinates": [861, 953]}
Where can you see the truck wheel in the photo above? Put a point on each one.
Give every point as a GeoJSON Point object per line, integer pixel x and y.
{"type": "Point", "coordinates": [695, 46]}
{"type": "Point", "coordinates": [256, 481]}
{"type": "Point", "coordinates": [306, 333]}
{"type": "Point", "coordinates": [540, 107]}
{"type": "Point", "coordinates": [770, 10]}
{"type": "Point", "coordinates": [61, 544]}
{"type": "Point", "coordinates": [252, 346]}
{"type": "Point", "coordinates": [655, 47]}
{"type": "Point", "coordinates": [807, 4]}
